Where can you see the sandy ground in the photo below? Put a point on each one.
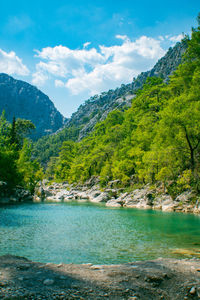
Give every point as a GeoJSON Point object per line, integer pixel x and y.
{"type": "Point", "coordinates": [156, 279]}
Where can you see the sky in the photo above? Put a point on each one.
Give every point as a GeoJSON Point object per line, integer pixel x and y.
{"type": "Point", "coordinates": [72, 50]}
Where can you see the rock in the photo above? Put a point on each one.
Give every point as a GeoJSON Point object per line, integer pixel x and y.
{"type": "Point", "coordinates": [49, 193]}
{"type": "Point", "coordinates": [92, 181]}
{"type": "Point", "coordinates": [192, 291]}
{"type": "Point", "coordinates": [165, 202]}
{"type": "Point", "coordinates": [114, 203]}
{"type": "Point", "coordinates": [103, 197]}
{"type": "Point", "coordinates": [38, 108]}
{"type": "Point", "coordinates": [96, 267]}
{"type": "Point", "coordinates": [52, 199]}
{"type": "Point", "coordinates": [93, 193]}
{"type": "Point", "coordinates": [61, 195]}
{"type": "Point", "coordinates": [36, 198]}
{"type": "Point", "coordinates": [48, 282]}
{"type": "Point", "coordinates": [112, 192]}
{"type": "Point", "coordinates": [185, 197]}
{"type": "Point", "coordinates": [82, 196]}
{"type": "Point", "coordinates": [139, 198]}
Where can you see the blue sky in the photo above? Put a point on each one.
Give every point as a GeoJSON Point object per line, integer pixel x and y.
{"type": "Point", "coordinates": [72, 50]}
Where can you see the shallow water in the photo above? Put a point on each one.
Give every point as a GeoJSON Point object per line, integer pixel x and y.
{"type": "Point", "coordinates": [82, 233]}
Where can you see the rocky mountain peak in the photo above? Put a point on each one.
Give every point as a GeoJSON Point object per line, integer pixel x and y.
{"type": "Point", "coordinates": [23, 100]}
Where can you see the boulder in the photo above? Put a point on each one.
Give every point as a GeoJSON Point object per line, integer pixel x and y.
{"type": "Point", "coordinates": [185, 197]}
{"type": "Point", "coordinates": [139, 198]}
{"type": "Point", "coordinates": [114, 202]}
{"type": "Point", "coordinates": [165, 202]}
{"type": "Point", "coordinates": [82, 196]}
{"type": "Point", "coordinates": [102, 197]}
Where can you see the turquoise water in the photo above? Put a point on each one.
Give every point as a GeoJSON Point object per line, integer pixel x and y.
{"type": "Point", "coordinates": [82, 233]}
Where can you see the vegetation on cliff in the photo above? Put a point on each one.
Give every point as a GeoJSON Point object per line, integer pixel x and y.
{"type": "Point", "coordinates": [157, 139]}
{"type": "Point", "coordinates": [96, 109]}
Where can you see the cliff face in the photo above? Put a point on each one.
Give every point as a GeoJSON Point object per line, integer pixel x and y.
{"type": "Point", "coordinates": [97, 108]}
{"type": "Point", "coordinates": [22, 100]}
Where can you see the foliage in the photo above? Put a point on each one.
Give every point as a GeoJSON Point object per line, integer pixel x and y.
{"type": "Point", "coordinates": [48, 146]}
{"type": "Point", "coordinates": [96, 109]}
{"type": "Point", "coordinates": [16, 165]}
{"type": "Point", "coordinates": [156, 140]}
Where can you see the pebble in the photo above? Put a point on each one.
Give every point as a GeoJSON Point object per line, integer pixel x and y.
{"type": "Point", "coordinates": [48, 282]}
{"type": "Point", "coordinates": [59, 265]}
{"type": "Point", "coordinates": [96, 267]}
{"type": "Point", "coordinates": [193, 290]}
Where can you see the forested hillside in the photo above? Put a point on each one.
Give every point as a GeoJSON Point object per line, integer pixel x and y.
{"type": "Point", "coordinates": [16, 165]}
{"type": "Point", "coordinates": [97, 108]}
{"type": "Point", "coordinates": [156, 140]}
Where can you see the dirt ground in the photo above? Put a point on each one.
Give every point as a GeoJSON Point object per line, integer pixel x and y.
{"type": "Point", "coordinates": [156, 279]}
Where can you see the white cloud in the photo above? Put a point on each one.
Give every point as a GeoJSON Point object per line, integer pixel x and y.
{"type": "Point", "coordinates": [85, 45]}
{"type": "Point", "coordinates": [96, 70]}
{"type": "Point", "coordinates": [59, 83]}
{"type": "Point", "coordinates": [122, 37]}
{"type": "Point", "coordinates": [39, 78]}
{"type": "Point", "coordinates": [11, 64]}
{"type": "Point", "coordinates": [161, 38]}
{"type": "Point", "coordinates": [177, 38]}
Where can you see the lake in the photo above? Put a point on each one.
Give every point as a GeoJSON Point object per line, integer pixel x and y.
{"type": "Point", "coordinates": [83, 233]}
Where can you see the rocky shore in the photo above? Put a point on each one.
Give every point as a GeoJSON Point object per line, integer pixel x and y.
{"type": "Point", "coordinates": [15, 195]}
{"type": "Point", "coordinates": [143, 198]}
{"type": "Point", "coordinates": [156, 279]}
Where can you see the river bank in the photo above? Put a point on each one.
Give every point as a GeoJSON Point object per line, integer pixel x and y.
{"type": "Point", "coordinates": [142, 198]}
{"type": "Point", "coordinates": [155, 279]}
{"type": "Point", "coordinates": [145, 197]}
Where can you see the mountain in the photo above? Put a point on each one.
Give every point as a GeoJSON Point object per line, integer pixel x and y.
{"type": "Point", "coordinates": [95, 109]}
{"type": "Point", "coordinates": [22, 100]}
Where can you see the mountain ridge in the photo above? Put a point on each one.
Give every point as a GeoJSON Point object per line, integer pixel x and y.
{"type": "Point", "coordinates": [22, 100]}
{"type": "Point", "coordinates": [96, 109]}
{"type": "Point", "coordinates": [121, 97]}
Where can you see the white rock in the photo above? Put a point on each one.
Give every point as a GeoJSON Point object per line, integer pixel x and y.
{"type": "Point", "coordinates": [103, 197]}
{"type": "Point", "coordinates": [193, 290]}
{"type": "Point", "coordinates": [114, 203]}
